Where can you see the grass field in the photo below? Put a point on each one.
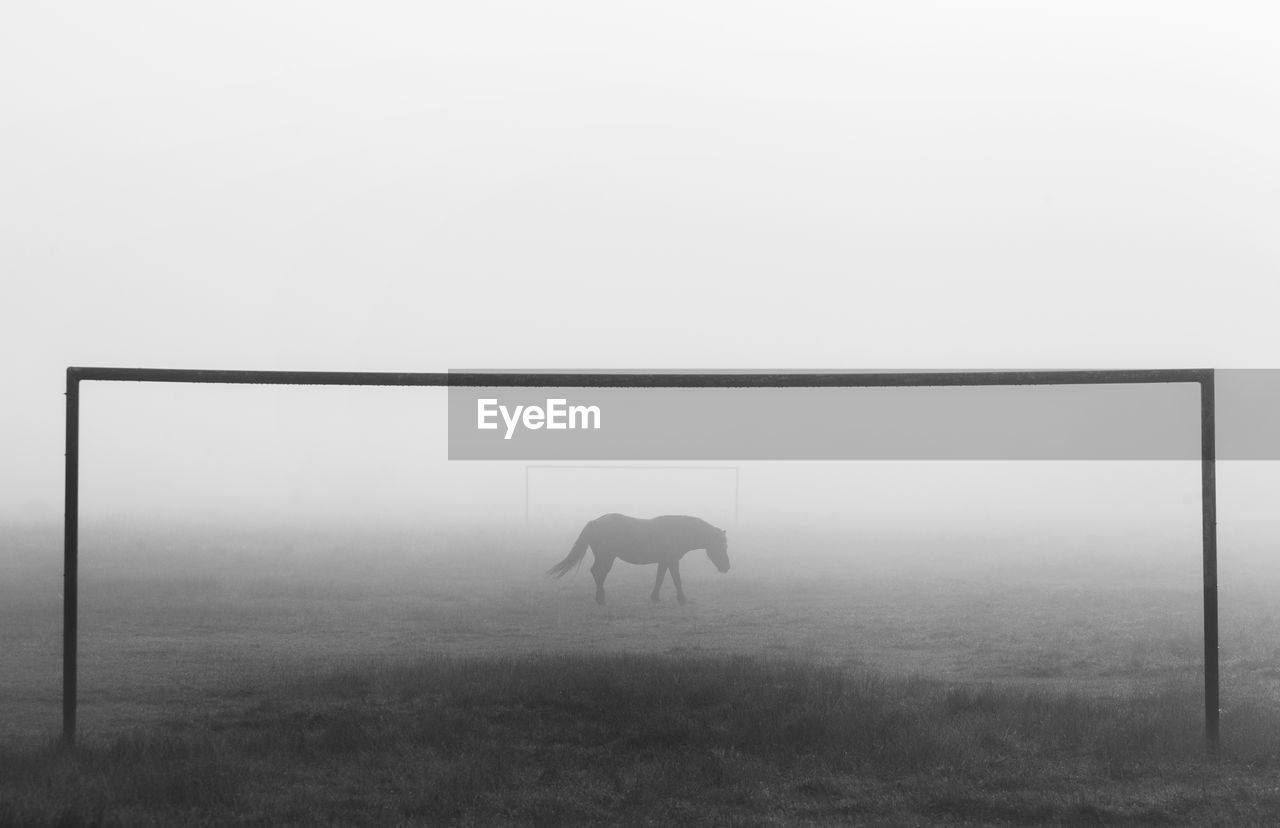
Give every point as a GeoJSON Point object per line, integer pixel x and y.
{"type": "Point", "coordinates": [245, 679]}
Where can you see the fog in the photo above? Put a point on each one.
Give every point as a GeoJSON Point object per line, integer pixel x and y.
{"type": "Point", "coordinates": [273, 579]}
{"type": "Point", "coordinates": [710, 186]}
{"type": "Point", "coordinates": [312, 465]}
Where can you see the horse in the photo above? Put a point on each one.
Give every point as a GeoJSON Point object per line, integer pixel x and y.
{"type": "Point", "coordinates": [661, 540]}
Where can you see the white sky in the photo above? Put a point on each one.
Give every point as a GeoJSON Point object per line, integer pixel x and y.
{"type": "Point", "coordinates": [406, 186]}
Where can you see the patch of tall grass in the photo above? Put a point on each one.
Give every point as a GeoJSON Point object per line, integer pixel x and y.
{"type": "Point", "coordinates": [573, 738]}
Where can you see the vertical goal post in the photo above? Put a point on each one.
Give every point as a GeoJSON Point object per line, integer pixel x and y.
{"type": "Point", "coordinates": [1203, 377]}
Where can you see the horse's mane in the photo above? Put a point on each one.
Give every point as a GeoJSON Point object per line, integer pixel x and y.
{"type": "Point", "coordinates": [688, 520]}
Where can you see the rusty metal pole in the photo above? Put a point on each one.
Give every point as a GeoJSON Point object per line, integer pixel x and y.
{"type": "Point", "coordinates": [1209, 521]}
{"type": "Point", "coordinates": [70, 560]}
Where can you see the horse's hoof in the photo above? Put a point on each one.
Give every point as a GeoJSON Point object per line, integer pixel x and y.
{"type": "Point", "coordinates": [682, 599]}
{"type": "Point", "coordinates": [653, 598]}
{"type": "Point", "coordinates": [600, 600]}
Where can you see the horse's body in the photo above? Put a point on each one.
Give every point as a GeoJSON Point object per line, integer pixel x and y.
{"type": "Point", "coordinates": [661, 540]}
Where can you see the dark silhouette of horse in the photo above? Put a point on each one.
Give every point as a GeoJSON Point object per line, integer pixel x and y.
{"type": "Point", "coordinates": [661, 540]}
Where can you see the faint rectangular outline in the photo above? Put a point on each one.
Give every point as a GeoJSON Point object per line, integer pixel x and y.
{"type": "Point", "coordinates": [669, 466]}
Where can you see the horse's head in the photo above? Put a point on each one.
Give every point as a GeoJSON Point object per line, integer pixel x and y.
{"type": "Point", "coordinates": [718, 550]}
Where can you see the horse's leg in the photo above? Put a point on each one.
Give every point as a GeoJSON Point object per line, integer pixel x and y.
{"type": "Point", "coordinates": [657, 585]}
{"type": "Point", "coordinates": [600, 569]}
{"type": "Point", "coordinates": [675, 579]}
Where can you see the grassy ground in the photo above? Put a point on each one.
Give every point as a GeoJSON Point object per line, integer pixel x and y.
{"type": "Point", "coordinates": [653, 739]}
{"type": "Point", "coordinates": [258, 681]}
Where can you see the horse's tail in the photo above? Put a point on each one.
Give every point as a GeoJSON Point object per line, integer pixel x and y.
{"type": "Point", "coordinates": [574, 559]}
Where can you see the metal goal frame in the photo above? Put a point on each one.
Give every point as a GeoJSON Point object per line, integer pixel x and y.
{"type": "Point", "coordinates": [1208, 458]}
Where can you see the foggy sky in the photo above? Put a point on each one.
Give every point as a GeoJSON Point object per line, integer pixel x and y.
{"type": "Point", "coordinates": [332, 186]}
